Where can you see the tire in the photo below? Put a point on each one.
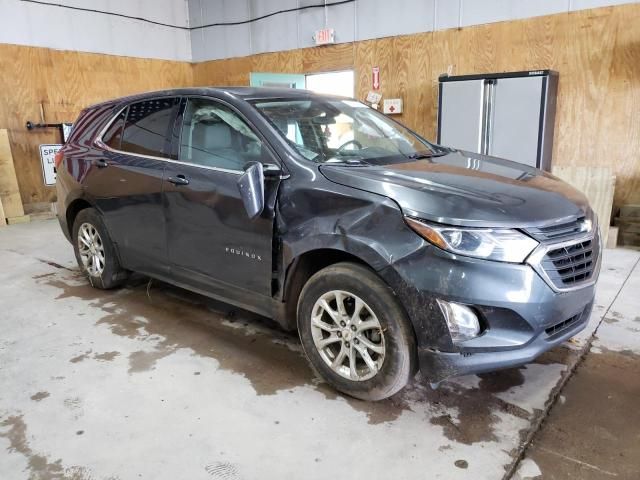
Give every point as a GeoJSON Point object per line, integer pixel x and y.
{"type": "Point", "coordinates": [390, 346]}
{"type": "Point", "coordinates": [108, 274]}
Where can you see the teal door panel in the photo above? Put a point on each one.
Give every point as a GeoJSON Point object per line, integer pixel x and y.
{"type": "Point", "coordinates": [280, 80]}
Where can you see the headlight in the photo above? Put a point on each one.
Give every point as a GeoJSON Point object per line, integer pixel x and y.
{"type": "Point", "coordinates": [502, 245]}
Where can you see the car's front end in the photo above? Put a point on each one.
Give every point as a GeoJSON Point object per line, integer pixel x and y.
{"type": "Point", "coordinates": [475, 315]}
{"type": "Point", "coordinates": [494, 262]}
{"type": "Point", "coordinates": [507, 265]}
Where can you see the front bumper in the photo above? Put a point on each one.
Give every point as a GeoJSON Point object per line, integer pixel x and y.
{"type": "Point", "coordinates": [437, 366]}
{"type": "Point", "coordinates": [521, 314]}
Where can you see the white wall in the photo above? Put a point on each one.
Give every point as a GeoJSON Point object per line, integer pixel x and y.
{"type": "Point", "coordinates": [361, 20]}
{"type": "Point", "coordinates": [61, 28]}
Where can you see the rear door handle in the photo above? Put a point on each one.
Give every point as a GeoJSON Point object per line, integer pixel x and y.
{"type": "Point", "coordinates": [178, 180]}
{"type": "Point", "coordinates": [98, 162]}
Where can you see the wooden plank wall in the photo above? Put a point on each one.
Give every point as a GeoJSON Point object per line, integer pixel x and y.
{"type": "Point", "coordinates": [61, 83]}
{"type": "Point", "coordinates": [597, 53]}
{"type": "Point", "coordinates": [597, 184]}
{"type": "Point", "coordinates": [235, 71]}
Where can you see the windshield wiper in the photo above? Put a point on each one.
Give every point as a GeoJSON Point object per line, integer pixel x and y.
{"type": "Point", "coordinates": [419, 155]}
{"type": "Point", "coordinates": [345, 161]}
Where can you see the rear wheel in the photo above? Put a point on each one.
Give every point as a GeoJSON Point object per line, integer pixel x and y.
{"type": "Point", "coordinates": [355, 333]}
{"type": "Point", "coordinates": [95, 252]}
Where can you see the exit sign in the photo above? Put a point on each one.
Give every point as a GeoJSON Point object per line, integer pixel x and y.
{"type": "Point", "coordinates": [325, 36]}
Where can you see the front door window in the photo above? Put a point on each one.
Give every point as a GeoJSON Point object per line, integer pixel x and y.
{"type": "Point", "coordinates": [213, 135]}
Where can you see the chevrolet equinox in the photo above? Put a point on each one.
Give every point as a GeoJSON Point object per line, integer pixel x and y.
{"type": "Point", "coordinates": [386, 252]}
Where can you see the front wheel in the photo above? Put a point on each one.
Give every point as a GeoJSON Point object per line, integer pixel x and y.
{"type": "Point", "coordinates": [95, 252]}
{"type": "Point", "coordinates": [355, 333]}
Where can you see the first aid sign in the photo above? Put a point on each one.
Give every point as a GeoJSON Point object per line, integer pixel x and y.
{"type": "Point", "coordinates": [47, 156]}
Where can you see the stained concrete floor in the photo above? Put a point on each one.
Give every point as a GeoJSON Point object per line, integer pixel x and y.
{"type": "Point", "coordinates": [593, 431]}
{"type": "Point", "coordinates": [150, 381]}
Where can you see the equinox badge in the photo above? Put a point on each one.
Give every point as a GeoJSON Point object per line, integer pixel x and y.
{"type": "Point", "coordinates": [242, 252]}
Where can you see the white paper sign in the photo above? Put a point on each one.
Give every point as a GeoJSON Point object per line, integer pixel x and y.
{"type": "Point", "coordinates": [47, 156]}
{"type": "Point", "coordinates": [392, 106]}
{"type": "Point", "coordinates": [373, 97]}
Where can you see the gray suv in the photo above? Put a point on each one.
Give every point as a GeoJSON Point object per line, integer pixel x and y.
{"type": "Point", "coordinates": [386, 252]}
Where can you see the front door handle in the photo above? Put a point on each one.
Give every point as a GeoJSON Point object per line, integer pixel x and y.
{"type": "Point", "coordinates": [178, 180]}
{"type": "Point", "coordinates": [98, 162]}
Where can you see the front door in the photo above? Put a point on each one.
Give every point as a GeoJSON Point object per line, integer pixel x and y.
{"type": "Point", "coordinates": [212, 244]}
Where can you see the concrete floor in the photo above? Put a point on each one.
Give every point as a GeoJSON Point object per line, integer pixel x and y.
{"type": "Point", "coordinates": [593, 431]}
{"type": "Point", "coordinates": [150, 381]}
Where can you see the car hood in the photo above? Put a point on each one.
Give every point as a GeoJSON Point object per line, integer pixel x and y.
{"type": "Point", "coordinates": [464, 188]}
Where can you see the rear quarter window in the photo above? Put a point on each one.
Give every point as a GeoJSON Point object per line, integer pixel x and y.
{"type": "Point", "coordinates": [113, 136]}
{"type": "Point", "coordinates": [86, 125]}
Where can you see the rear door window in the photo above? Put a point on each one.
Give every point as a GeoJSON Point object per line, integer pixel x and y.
{"type": "Point", "coordinates": [148, 127]}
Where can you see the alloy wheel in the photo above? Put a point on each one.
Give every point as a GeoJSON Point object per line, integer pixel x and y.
{"type": "Point", "coordinates": [348, 335]}
{"type": "Point", "coordinates": [91, 249]}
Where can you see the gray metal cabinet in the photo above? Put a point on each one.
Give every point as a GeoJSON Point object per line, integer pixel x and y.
{"type": "Point", "coordinates": [508, 115]}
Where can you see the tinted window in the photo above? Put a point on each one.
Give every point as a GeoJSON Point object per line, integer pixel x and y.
{"type": "Point", "coordinates": [214, 135]}
{"type": "Point", "coordinates": [113, 135]}
{"type": "Point", "coordinates": [148, 126]}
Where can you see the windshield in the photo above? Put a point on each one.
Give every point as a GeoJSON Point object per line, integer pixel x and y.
{"type": "Point", "coordinates": [343, 131]}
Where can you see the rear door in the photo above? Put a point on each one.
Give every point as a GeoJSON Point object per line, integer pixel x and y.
{"type": "Point", "coordinates": [127, 186]}
{"type": "Point", "coordinates": [212, 244]}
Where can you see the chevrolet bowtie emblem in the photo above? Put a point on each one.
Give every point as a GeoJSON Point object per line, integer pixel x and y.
{"type": "Point", "coordinates": [586, 226]}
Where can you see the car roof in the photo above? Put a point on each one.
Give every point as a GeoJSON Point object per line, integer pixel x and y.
{"type": "Point", "coordinates": [241, 93]}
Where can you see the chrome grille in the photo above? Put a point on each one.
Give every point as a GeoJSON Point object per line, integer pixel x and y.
{"type": "Point", "coordinates": [571, 265]}
{"type": "Point", "coordinates": [560, 231]}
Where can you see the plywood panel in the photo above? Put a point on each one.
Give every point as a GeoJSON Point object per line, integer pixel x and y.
{"type": "Point", "coordinates": [328, 58]}
{"type": "Point", "coordinates": [3, 218]}
{"type": "Point", "coordinates": [235, 71]}
{"type": "Point", "coordinates": [61, 84]}
{"type": "Point", "coordinates": [223, 73]}
{"type": "Point", "coordinates": [597, 183]}
{"type": "Point", "coordinates": [9, 192]}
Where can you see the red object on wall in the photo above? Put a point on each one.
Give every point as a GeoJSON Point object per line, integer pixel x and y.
{"type": "Point", "coordinates": [375, 78]}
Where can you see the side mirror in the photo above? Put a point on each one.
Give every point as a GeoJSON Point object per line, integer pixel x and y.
{"type": "Point", "coordinates": [251, 188]}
